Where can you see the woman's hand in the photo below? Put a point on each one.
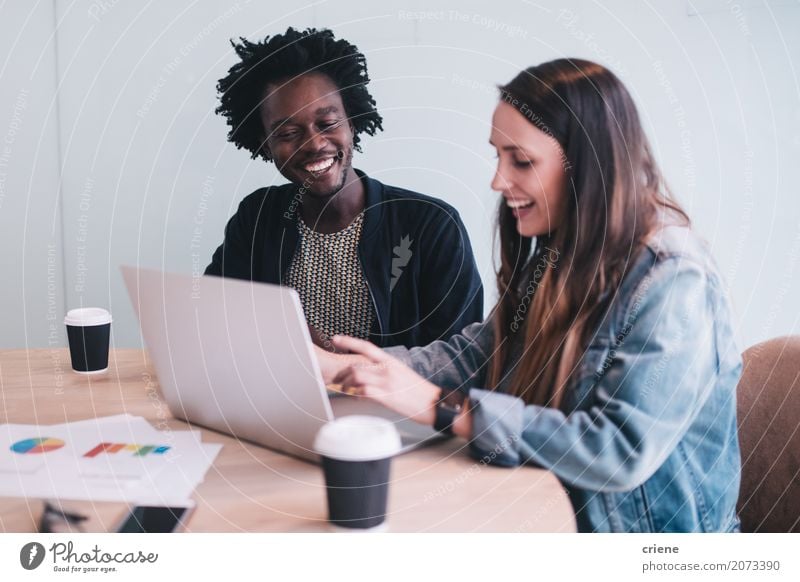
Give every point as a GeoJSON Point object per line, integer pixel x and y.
{"type": "Point", "coordinates": [331, 364]}
{"type": "Point", "coordinates": [387, 380]}
{"type": "Point", "coordinates": [320, 339]}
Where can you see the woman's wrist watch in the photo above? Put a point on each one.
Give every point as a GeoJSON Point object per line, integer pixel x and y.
{"type": "Point", "coordinates": [451, 403]}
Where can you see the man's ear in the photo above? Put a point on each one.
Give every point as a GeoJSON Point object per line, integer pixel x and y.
{"type": "Point", "coordinates": [265, 148]}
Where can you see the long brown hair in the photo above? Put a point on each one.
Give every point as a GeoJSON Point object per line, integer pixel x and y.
{"type": "Point", "coordinates": [616, 198]}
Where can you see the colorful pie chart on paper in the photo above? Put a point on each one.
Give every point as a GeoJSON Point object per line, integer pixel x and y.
{"type": "Point", "coordinates": [34, 446]}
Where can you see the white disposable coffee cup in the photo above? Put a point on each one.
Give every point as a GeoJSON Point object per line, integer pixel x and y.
{"type": "Point", "coordinates": [356, 456]}
{"type": "Point", "coordinates": [88, 332]}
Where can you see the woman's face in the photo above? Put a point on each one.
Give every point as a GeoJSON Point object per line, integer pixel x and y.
{"type": "Point", "coordinates": [531, 173]}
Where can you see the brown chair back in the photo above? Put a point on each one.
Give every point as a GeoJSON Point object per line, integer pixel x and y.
{"type": "Point", "coordinates": [768, 410]}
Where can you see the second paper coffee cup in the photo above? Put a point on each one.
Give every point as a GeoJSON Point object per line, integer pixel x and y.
{"type": "Point", "coordinates": [88, 332]}
{"type": "Point", "coordinates": [356, 456]}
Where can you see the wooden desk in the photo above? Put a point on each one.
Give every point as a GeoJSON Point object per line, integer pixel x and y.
{"type": "Point", "coordinates": [249, 488]}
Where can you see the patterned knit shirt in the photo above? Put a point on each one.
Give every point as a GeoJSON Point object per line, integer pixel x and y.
{"type": "Point", "coordinates": [326, 273]}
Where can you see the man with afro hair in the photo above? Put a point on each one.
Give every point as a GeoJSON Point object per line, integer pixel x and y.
{"type": "Point", "coordinates": [367, 259]}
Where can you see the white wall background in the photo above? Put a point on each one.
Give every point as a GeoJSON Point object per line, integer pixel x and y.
{"type": "Point", "coordinates": [115, 154]}
{"type": "Point", "coordinates": [31, 260]}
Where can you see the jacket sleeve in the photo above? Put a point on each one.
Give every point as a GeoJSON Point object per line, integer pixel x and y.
{"type": "Point", "coordinates": [233, 258]}
{"type": "Point", "coordinates": [450, 284]}
{"type": "Point", "coordinates": [458, 362]}
{"type": "Point", "coordinates": [659, 377]}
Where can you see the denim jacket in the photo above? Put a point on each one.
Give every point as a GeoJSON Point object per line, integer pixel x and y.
{"type": "Point", "coordinates": [645, 439]}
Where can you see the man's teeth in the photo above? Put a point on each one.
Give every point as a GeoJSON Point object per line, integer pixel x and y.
{"type": "Point", "coordinates": [319, 166]}
{"type": "Point", "coordinates": [519, 203]}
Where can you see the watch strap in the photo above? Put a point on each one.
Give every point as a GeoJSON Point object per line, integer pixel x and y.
{"type": "Point", "coordinates": [450, 405]}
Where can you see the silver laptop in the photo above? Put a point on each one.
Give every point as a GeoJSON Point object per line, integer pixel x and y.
{"type": "Point", "coordinates": [237, 357]}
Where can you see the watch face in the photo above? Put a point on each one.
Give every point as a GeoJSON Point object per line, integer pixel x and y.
{"type": "Point", "coordinates": [453, 400]}
{"type": "Point", "coordinates": [450, 405]}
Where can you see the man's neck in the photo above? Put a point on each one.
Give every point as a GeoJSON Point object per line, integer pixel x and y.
{"type": "Point", "coordinates": [332, 214]}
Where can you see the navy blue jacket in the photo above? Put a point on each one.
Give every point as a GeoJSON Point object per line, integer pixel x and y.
{"type": "Point", "coordinates": [414, 251]}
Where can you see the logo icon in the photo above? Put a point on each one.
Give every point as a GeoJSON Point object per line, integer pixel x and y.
{"type": "Point", "coordinates": [31, 555]}
{"type": "Point", "coordinates": [402, 254]}
{"type": "Point", "coordinates": [34, 446]}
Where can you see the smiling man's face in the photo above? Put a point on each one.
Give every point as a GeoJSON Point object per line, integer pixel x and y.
{"type": "Point", "coordinates": [308, 133]}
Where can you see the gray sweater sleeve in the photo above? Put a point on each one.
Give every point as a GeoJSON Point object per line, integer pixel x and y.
{"type": "Point", "coordinates": [459, 361]}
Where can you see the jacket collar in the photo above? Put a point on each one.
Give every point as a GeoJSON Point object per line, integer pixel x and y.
{"type": "Point", "coordinates": [373, 205]}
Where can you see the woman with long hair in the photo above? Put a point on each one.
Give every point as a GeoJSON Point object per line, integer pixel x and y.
{"type": "Point", "coordinates": [609, 358]}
